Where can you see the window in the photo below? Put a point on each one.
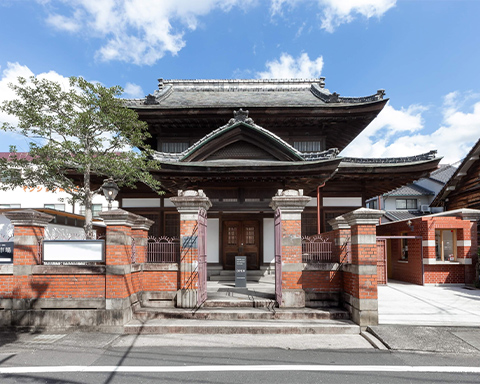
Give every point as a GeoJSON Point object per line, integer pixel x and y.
{"type": "Point", "coordinates": [96, 209]}
{"type": "Point", "coordinates": [309, 224]}
{"type": "Point", "coordinates": [372, 204]}
{"type": "Point", "coordinates": [10, 206]}
{"type": "Point", "coordinates": [172, 224]}
{"type": "Point", "coordinates": [308, 146]}
{"type": "Point", "coordinates": [173, 147]}
{"type": "Point", "coordinates": [57, 207]}
{"type": "Point", "coordinates": [446, 244]}
{"type": "Point", "coordinates": [406, 203]}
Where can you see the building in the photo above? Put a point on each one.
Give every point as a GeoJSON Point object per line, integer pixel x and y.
{"type": "Point", "coordinates": [242, 141]}
{"type": "Point", "coordinates": [414, 199]}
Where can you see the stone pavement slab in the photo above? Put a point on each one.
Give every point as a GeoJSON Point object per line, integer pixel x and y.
{"type": "Point", "coordinates": [428, 339]}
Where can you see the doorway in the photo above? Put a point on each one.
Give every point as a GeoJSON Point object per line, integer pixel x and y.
{"type": "Point", "coordinates": [241, 238]}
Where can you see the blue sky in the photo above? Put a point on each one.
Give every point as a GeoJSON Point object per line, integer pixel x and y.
{"type": "Point", "coordinates": [425, 54]}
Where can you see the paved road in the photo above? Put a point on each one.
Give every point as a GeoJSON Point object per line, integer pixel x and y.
{"type": "Point", "coordinates": [105, 358]}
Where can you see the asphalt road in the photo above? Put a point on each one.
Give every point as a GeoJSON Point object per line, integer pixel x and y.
{"type": "Point", "coordinates": [104, 358]}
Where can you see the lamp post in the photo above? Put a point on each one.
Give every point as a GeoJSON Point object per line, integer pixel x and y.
{"type": "Point", "coordinates": [110, 190]}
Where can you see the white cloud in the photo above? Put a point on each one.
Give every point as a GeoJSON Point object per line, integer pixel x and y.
{"type": "Point", "coordinates": [337, 12]}
{"type": "Point", "coordinates": [137, 31]}
{"type": "Point", "coordinates": [287, 67]}
{"type": "Point", "coordinates": [397, 133]}
{"type": "Point", "coordinates": [133, 91]}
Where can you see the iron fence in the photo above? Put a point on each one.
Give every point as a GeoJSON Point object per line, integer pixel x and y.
{"type": "Point", "coordinates": [163, 249]}
{"type": "Point", "coordinates": [316, 249]}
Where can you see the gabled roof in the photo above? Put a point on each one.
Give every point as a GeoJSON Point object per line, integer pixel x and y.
{"type": "Point", "coordinates": [242, 129]}
{"type": "Point", "coordinates": [472, 157]}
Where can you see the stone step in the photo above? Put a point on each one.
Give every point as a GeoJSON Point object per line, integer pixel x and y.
{"type": "Point", "coordinates": [253, 279]}
{"type": "Point", "coordinates": [168, 326]}
{"type": "Point", "coordinates": [242, 313]}
{"type": "Point", "coordinates": [249, 273]}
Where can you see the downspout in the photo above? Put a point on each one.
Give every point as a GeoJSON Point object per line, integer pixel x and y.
{"type": "Point", "coordinates": [379, 205]}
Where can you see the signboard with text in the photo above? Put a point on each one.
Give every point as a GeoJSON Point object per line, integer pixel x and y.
{"type": "Point", "coordinates": [6, 252]}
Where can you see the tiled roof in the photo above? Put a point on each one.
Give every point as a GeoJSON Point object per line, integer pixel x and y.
{"type": "Point", "coordinates": [443, 174]}
{"type": "Point", "coordinates": [245, 93]}
{"type": "Point", "coordinates": [401, 215]}
{"type": "Point", "coordinates": [410, 190]}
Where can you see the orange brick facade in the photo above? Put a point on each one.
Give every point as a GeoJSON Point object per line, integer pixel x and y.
{"type": "Point", "coordinates": [428, 270]}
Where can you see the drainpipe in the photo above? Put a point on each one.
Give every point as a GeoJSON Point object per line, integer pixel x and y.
{"type": "Point", "coordinates": [379, 205]}
{"type": "Point", "coordinates": [318, 207]}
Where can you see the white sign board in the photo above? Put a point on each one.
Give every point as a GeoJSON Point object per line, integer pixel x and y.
{"type": "Point", "coordinates": [73, 251]}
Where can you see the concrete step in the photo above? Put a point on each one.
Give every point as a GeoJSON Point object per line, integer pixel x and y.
{"type": "Point", "coordinates": [242, 313]}
{"type": "Point", "coordinates": [168, 326]}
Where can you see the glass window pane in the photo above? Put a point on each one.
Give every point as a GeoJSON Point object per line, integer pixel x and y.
{"type": "Point", "coordinates": [401, 204]}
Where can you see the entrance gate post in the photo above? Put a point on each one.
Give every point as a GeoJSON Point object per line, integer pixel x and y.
{"type": "Point", "coordinates": [360, 277]}
{"type": "Point", "coordinates": [189, 204]}
{"type": "Point", "coordinates": [291, 204]}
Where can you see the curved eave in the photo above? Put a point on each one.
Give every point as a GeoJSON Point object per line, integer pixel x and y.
{"type": "Point", "coordinates": [139, 105]}
{"type": "Point", "coordinates": [246, 168]}
{"type": "Point", "coordinates": [377, 179]}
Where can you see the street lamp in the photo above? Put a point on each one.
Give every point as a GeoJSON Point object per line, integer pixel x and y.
{"type": "Point", "coordinates": [110, 190]}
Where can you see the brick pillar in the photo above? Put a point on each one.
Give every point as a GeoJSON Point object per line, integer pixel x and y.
{"type": "Point", "coordinates": [291, 204]}
{"type": "Point", "coordinates": [140, 235]}
{"type": "Point", "coordinates": [188, 204]}
{"type": "Point", "coordinates": [467, 245]}
{"type": "Point", "coordinates": [360, 277]}
{"type": "Point", "coordinates": [119, 292]}
{"type": "Point", "coordinates": [341, 235]}
{"type": "Point", "coordinates": [29, 229]}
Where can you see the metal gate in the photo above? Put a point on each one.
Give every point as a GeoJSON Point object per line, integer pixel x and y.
{"type": "Point", "coordinates": [202, 257]}
{"type": "Point", "coordinates": [278, 257]}
{"type": "Point", "coordinates": [381, 261]}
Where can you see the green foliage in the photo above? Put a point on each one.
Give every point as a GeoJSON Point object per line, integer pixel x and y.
{"type": "Point", "coordinates": [83, 131]}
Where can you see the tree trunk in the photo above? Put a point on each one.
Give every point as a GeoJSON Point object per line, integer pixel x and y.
{"type": "Point", "coordinates": [88, 206]}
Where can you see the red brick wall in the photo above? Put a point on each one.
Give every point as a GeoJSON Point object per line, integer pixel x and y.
{"type": "Point", "coordinates": [6, 286]}
{"type": "Point", "coordinates": [59, 287]}
{"type": "Point", "coordinates": [444, 274]}
{"type": "Point", "coordinates": [160, 281]}
{"type": "Point", "coordinates": [322, 281]}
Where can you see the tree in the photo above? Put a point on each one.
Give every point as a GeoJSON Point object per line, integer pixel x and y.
{"type": "Point", "coordinates": [82, 132]}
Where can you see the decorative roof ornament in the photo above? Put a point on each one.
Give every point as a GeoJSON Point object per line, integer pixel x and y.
{"type": "Point", "coordinates": [150, 100]}
{"type": "Point", "coordinates": [240, 116]}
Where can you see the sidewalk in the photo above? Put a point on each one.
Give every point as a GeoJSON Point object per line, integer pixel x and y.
{"type": "Point", "coordinates": [428, 318]}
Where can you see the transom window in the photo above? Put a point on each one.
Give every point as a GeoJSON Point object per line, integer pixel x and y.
{"type": "Point", "coordinates": [406, 203]}
{"type": "Point", "coordinates": [446, 244]}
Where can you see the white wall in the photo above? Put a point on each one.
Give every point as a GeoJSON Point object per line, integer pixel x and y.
{"type": "Point", "coordinates": [37, 197]}
{"type": "Point", "coordinates": [268, 240]}
{"type": "Point", "coordinates": [213, 233]}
